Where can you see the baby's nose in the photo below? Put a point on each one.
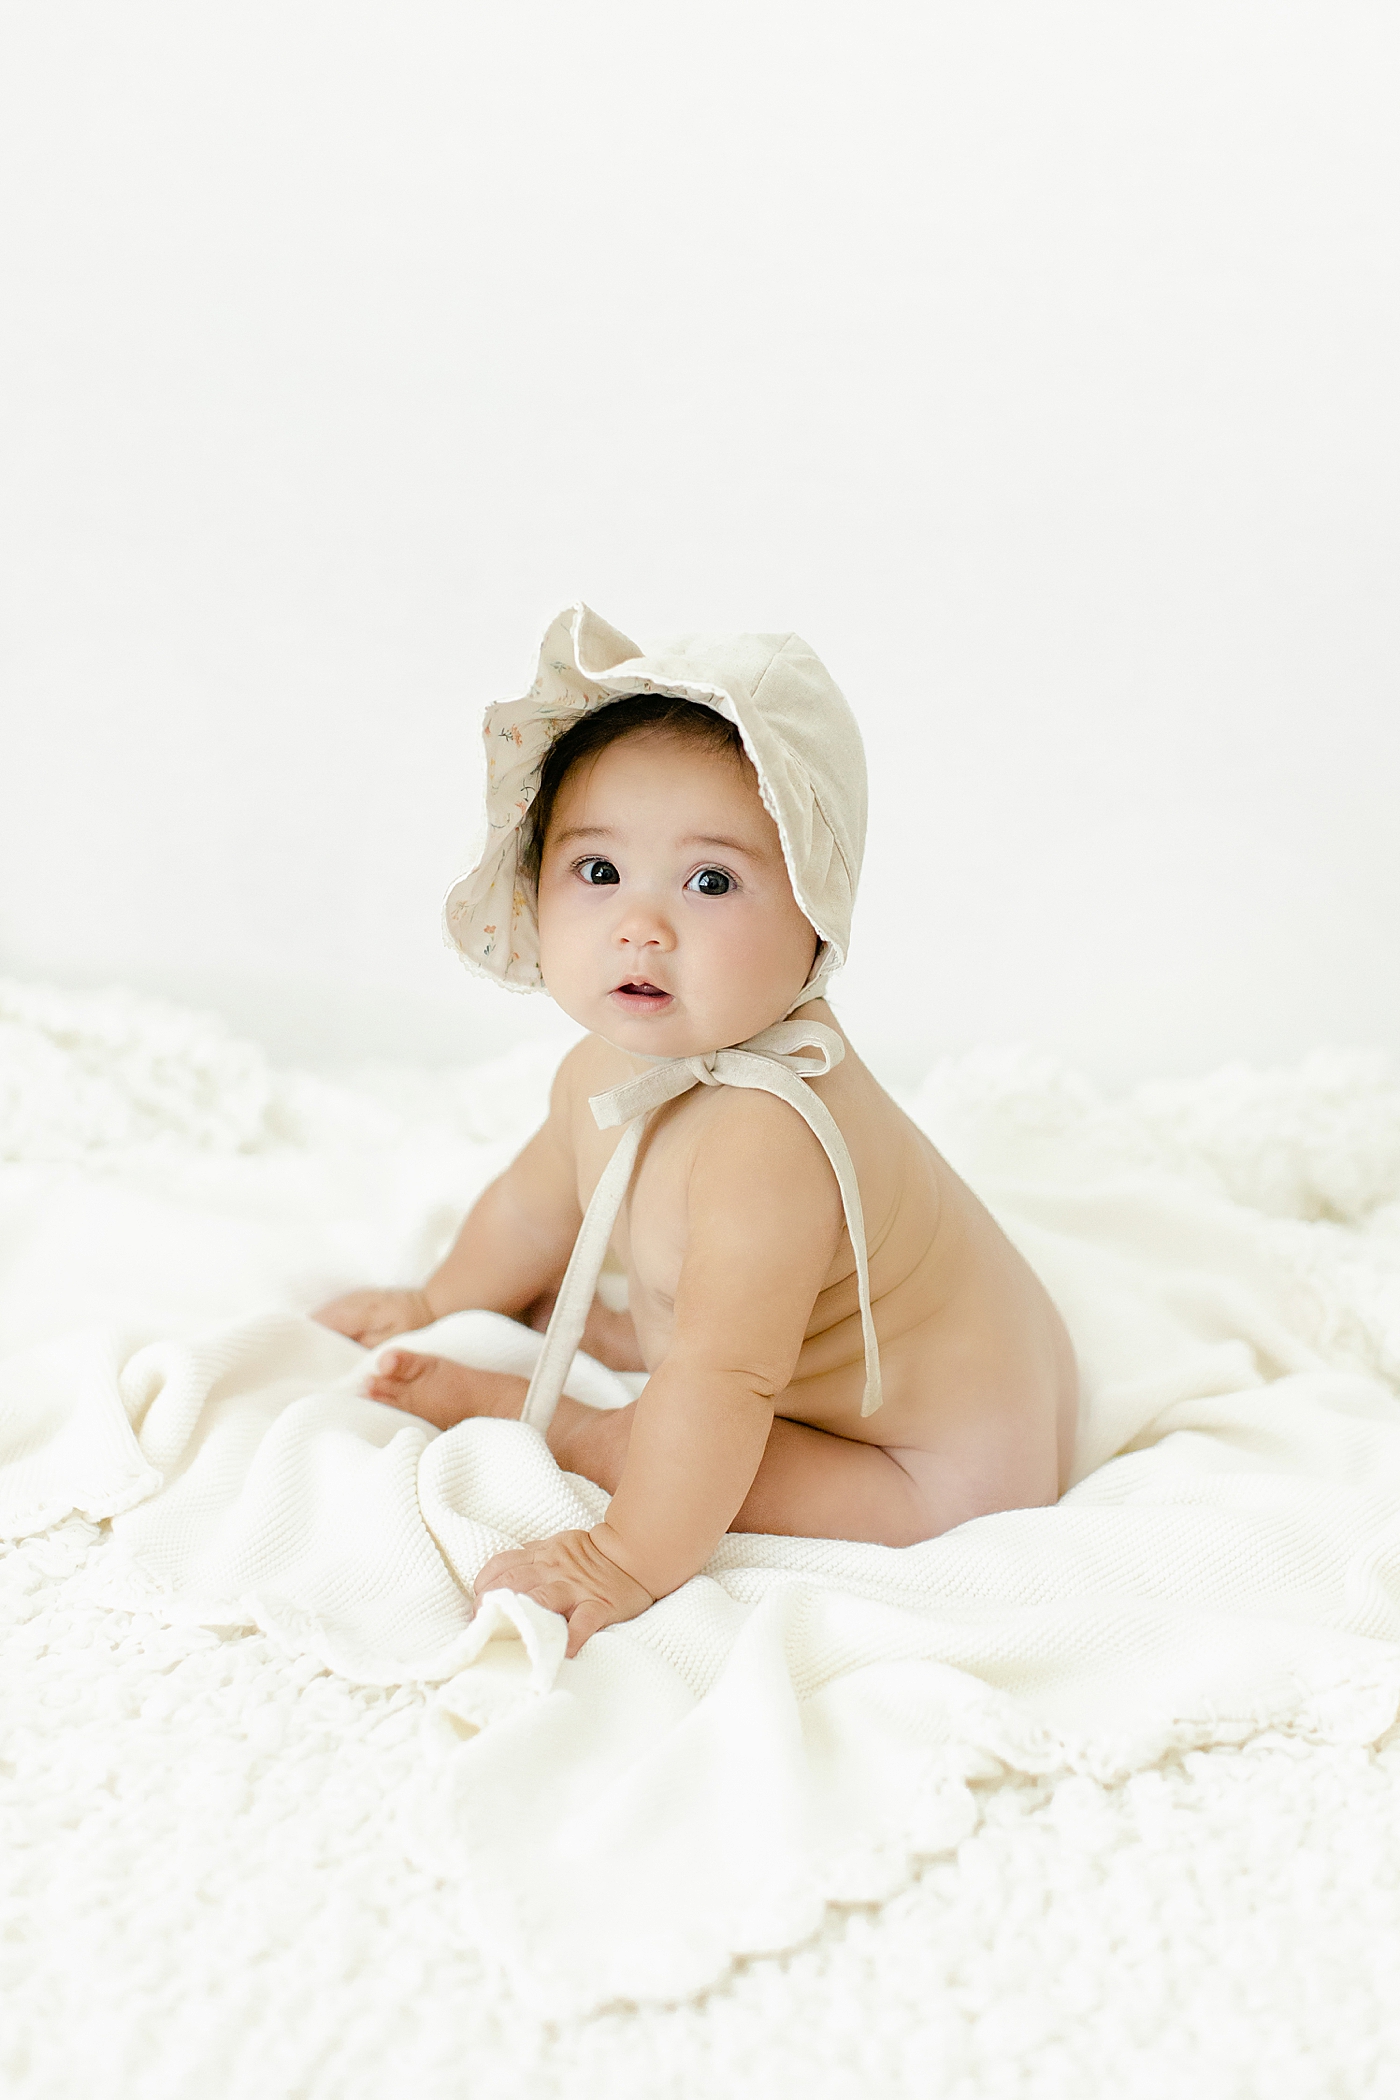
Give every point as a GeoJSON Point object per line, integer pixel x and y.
{"type": "Point", "coordinates": [643, 927]}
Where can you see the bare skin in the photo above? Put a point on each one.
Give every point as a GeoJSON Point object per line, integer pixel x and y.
{"type": "Point", "coordinates": [741, 1277]}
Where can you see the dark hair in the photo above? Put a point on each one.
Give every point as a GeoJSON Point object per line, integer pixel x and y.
{"type": "Point", "coordinates": [661, 714]}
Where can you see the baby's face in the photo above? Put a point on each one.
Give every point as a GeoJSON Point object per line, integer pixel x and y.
{"type": "Point", "coordinates": [667, 920]}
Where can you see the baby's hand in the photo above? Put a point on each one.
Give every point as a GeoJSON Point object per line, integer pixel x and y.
{"type": "Point", "coordinates": [371, 1317]}
{"type": "Point", "coordinates": [572, 1576]}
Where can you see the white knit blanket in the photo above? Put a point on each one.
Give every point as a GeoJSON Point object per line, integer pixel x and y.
{"type": "Point", "coordinates": [798, 1725]}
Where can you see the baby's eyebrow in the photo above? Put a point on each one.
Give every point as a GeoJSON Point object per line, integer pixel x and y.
{"type": "Point", "coordinates": [694, 838]}
{"type": "Point", "coordinates": [705, 838]}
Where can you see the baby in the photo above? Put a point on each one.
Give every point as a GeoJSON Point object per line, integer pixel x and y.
{"type": "Point", "coordinates": [674, 847]}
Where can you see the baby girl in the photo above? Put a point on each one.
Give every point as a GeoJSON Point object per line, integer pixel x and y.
{"type": "Point", "coordinates": [840, 1341]}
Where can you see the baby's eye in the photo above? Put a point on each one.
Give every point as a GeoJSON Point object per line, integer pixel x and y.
{"type": "Point", "coordinates": [595, 870]}
{"type": "Point", "coordinates": [711, 882]}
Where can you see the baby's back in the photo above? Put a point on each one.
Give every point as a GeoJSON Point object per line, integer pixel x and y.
{"type": "Point", "coordinates": [977, 1368]}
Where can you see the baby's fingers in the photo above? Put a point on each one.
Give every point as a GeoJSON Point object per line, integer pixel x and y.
{"type": "Point", "coordinates": [501, 1572]}
{"type": "Point", "coordinates": [569, 1574]}
{"type": "Point", "coordinates": [585, 1615]}
{"type": "Point", "coordinates": [586, 1619]}
{"type": "Point", "coordinates": [343, 1315]}
{"type": "Point", "coordinates": [372, 1316]}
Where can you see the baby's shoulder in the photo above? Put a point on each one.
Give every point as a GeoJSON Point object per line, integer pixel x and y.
{"type": "Point", "coordinates": [590, 1067]}
{"type": "Point", "coordinates": [743, 1138]}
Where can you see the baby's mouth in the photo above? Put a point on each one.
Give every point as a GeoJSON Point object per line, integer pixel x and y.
{"type": "Point", "coordinates": [640, 994]}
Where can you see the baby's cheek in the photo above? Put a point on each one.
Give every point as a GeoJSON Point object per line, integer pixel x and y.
{"type": "Point", "coordinates": [759, 973]}
{"type": "Point", "coordinates": [564, 953]}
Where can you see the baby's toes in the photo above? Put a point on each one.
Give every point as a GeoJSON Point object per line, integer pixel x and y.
{"type": "Point", "coordinates": [407, 1363]}
{"type": "Point", "coordinates": [396, 1369]}
{"type": "Point", "coordinates": [423, 1385]}
{"type": "Point", "coordinates": [399, 1374]}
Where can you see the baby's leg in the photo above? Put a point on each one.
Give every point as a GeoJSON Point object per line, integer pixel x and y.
{"type": "Point", "coordinates": [442, 1392]}
{"type": "Point", "coordinates": [813, 1484]}
{"type": "Point", "coordinates": [585, 1440]}
{"type": "Point", "coordinates": [809, 1484]}
{"type": "Point", "coordinates": [445, 1393]}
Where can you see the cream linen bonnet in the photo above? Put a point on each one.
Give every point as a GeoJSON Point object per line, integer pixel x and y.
{"type": "Point", "coordinates": [795, 726]}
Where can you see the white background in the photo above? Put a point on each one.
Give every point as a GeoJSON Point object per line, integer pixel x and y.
{"type": "Point", "coordinates": [1036, 362]}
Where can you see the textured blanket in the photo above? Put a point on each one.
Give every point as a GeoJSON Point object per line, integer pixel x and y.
{"type": "Point", "coordinates": [800, 1724]}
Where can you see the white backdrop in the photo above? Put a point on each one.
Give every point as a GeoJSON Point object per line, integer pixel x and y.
{"type": "Point", "coordinates": [1035, 361]}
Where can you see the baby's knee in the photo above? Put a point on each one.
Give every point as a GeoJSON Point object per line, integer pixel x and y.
{"type": "Point", "coordinates": [592, 1441]}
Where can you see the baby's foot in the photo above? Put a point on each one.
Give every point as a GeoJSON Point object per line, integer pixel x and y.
{"type": "Point", "coordinates": [442, 1392]}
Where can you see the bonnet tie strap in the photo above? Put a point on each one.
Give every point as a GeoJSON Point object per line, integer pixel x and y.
{"type": "Point", "coordinates": [771, 1061]}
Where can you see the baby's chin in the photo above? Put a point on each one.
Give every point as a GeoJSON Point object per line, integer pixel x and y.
{"type": "Point", "coordinates": [677, 1032]}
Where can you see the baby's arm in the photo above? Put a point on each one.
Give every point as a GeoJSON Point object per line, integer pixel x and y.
{"type": "Point", "coordinates": [763, 1223]}
{"type": "Point", "coordinates": [512, 1248]}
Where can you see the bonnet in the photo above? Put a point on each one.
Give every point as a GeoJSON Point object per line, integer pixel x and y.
{"type": "Point", "coordinates": [795, 726]}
